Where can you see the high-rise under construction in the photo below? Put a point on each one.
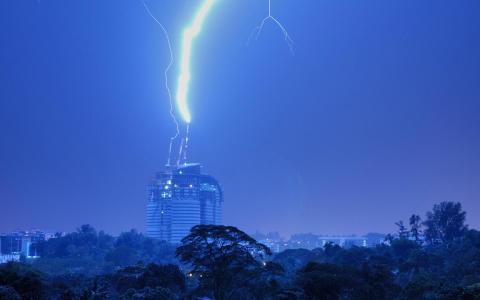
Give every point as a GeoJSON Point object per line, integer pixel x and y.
{"type": "Point", "coordinates": [180, 198]}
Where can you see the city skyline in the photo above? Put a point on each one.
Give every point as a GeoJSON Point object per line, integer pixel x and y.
{"type": "Point", "coordinates": [374, 117]}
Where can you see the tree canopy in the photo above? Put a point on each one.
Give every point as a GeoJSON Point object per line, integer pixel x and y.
{"type": "Point", "coordinates": [221, 257]}
{"type": "Point", "coordinates": [445, 223]}
{"type": "Point", "coordinates": [438, 259]}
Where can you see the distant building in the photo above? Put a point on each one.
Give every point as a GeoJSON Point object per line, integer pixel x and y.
{"type": "Point", "coordinates": [21, 243]}
{"type": "Point", "coordinates": [344, 241]}
{"type": "Point", "coordinates": [311, 241]}
{"type": "Point", "coordinates": [5, 258]}
{"type": "Point", "coordinates": [180, 198]}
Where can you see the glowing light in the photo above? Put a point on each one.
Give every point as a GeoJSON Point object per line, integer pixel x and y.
{"type": "Point", "coordinates": [188, 36]}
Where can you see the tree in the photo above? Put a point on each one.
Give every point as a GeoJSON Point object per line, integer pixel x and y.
{"type": "Point", "coordinates": [8, 293]}
{"type": "Point", "coordinates": [25, 280]}
{"type": "Point", "coordinates": [373, 281]}
{"type": "Point", "coordinates": [218, 254]}
{"type": "Point", "coordinates": [157, 293]}
{"type": "Point", "coordinates": [415, 227]}
{"type": "Point", "coordinates": [139, 277]}
{"type": "Point", "coordinates": [323, 281]}
{"type": "Point", "coordinates": [331, 249]}
{"type": "Point", "coordinates": [445, 223]}
{"type": "Point", "coordinates": [257, 283]}
{"type": "Point", "coordinates": [402, 248]}
{"type": "Point", "coordinates": [402, 230]}
{"type": "Point", "coordinates": [294, 259]}
{"type": "Point", "coordinates": [353, 257]}
{"type": "Point", "coordinates": [389, 239]}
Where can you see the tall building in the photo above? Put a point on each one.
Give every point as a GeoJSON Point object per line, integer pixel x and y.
{"type": "Point", "coordinates": [180, 198]}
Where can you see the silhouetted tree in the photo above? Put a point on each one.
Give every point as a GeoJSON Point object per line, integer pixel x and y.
{"type": "Point", "coordinates": [157, 293]}
{"type": "Point", "coordinates": [389, 238]}
{"type": "Point", "coordinates": [228, 264]}
{"type": "Point", "coordinates": [219, 254]}
{"type": "Point", "coordinates": [89, 252]}
{"type": "Point", "coordinates": [294, 259]}
{"type": "Point", "coordinates": [373, 281]}
{"type": "Point", "coordinates": [263, 281]}
{"type": "Point", "coordinates": [323, 281]}
{"type": "Point", "coordinates": [445, 223]}
{"type": "Point", "coordinates": [139, 277]}
{"type": "Point", "coordinates": [353, 257]}
{"type": "Point", "coordinates": [331, 249]}
{"type": "Point", "coordinates": [402, 230]}
{"type": "Point", "coordinates": [415, 227]}
{"type": "Point", "coordinates": [25, 280]}
{"type": "Point", "coordinates": [8, 293]}
{"type": "Point", "coordinates": [402, 249]}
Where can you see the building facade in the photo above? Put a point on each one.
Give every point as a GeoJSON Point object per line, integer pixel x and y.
{"type": "Point", "coordinates": [21, 243]}
{"type": "Point", "coordinates": [180, 198]}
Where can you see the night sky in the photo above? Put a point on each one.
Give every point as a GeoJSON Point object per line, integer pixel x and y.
{"type": "Point", "coordinates": [376, 116]}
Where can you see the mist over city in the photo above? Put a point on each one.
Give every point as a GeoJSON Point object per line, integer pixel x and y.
{"type": "Point", "coordinates": [241, 149]}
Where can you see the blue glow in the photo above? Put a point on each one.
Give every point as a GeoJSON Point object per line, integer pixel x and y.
{"type": "Point", "coordinates": [188, 36]}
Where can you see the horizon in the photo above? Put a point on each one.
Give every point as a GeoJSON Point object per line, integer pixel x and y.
{"type": "Point", "coordinates": [374, 117]}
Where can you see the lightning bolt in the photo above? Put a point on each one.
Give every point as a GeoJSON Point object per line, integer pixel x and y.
{"type": "Point", "coordinates": [258, 30]}
{"type": "Point", "coordinates": [189, 35]}
{"type": "Point", "coordinates": [165, 73]}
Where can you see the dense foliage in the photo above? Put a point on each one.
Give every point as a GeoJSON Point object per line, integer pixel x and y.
{"type": "Point", "coordinates": [438, 258]}
{"type": "Point", "coordinates": [89, 252]}
{"type": "Point", "coordinates": [227, 262]}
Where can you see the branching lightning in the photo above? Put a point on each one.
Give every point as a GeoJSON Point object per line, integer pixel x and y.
{"type": "Point", "coordinates": [167, 87]}
{"type": "Point", "coordinates": [189, 35]}
{"type": "Point", "coordinates": [258, 30]}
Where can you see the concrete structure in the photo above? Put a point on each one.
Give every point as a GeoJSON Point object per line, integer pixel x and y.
{"type": "Point", "coordinates": [180, 198]}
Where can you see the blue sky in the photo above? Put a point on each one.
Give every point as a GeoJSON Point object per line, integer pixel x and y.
{"type": "Point", "coordinates": [375, 116]}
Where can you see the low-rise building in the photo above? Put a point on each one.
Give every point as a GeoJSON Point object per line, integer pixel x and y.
{"type": "Point", "coordinates": [21, 243]}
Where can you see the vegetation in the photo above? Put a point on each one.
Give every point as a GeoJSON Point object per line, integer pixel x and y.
{"type": "Point", "coordinates": [89, 252]}
{"type": "Point", "coordinates": [228, 263]}
{"type": "Point", "coordinates": [438, 258]}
